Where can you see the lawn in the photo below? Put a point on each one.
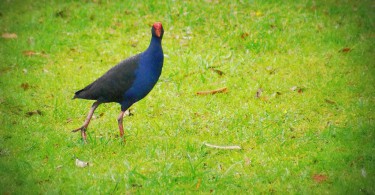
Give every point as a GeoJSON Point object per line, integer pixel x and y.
{"type": "Point", "coordinates": [300, 98]}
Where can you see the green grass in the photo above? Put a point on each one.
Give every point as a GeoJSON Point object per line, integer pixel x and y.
{"type": "Point", "coordinates": [325, 128]}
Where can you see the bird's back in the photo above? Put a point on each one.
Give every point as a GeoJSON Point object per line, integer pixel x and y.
{"type": "Point", "coordinates": [111, 86]}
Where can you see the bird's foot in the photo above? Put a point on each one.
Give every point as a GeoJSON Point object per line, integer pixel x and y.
{"type": "Point", "coordinates": [83, 132]}
{"type": "Point", "coordinates": [83, 128]}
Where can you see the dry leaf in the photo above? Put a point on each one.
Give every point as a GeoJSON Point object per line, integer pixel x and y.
{"type": "Point", "coordinates": [34, 112]}
{"type": "Point", "coordinates": [330, 101]}
{"type": "Point", "coordinates": [298, 89]}
{"type": "Point", "coordinates": [221, 90]}
{"type": "Point", "coordinates": [363, 172]}
{"type": "Point", "coordinates": [9, 35]}
{"type": "Point", "coordinates": [33, 53]}
{"type": "Point", "coordinates": [80, 163]}
{"type": "Point", "coordinates": [259, 93]}
{"type": "Point", "coordinates": [129, 112]}
{"type": "Point", "coordinates": [223, 147]}
{"type": "Point", "coordinates": [219, 72]}
{"type": "Point", "coordinates": [25, 86]}
{"type": "Point", "coordinates": [244, 35]}
{"type": "Point", "coordinates": [319, 178]}
{"type": "Point", "coordinates": [345, 50]}
{"type": "Point", "coordinates": [276, 94]}
{"type": "Point", "coordinates": [247, 161]}
{"type": "Point", "coordinates": [198, 183]}
{"type": "Point", "coordinates": [29, 53]}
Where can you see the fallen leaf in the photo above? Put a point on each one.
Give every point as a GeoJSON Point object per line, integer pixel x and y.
{"type": "Point", "coordinates": [345, 50]}
{"type": "Point", "coordinates": [9, 35]}
{"type": "Point", "coordinates": [223, 147]}
{"type": "Point", "coordinates": [247, 161]}
{"type": "Point", "coordinates": [221, 90]}
{"type": "Point", "coordinates": [25, 86]}
{"type": "Point", "coordinates": [276, 94]}
{"type": "Point", "coordinates": [33, 53]}
{"type": "Point", "coordinates": [198, 183]}
{"type": "Point", "coordinates": [319, 178]}
{"type": "Point", "coordinates": [363, 172]}
{"type": "Point", "coordinates": [329, 101]}
{"type": "Point", "coordinates": [219, 72]}
{"type": "Point", "coordinates": [259, 93]}
{"type": "Point", "coordinates": [298, 89]}
{"type": "Point", "coordinates": [135, 185]}
{"type": "Point", "coordinates": [129, 112]}
{"type": "Point", "coordinates": [244, 35]}
{"type": "Point", "coordinates": [34, 112]}
{"type": "Point", "coordinates": [29, 53]}
{"type": "Point", "coordinates": [80, 163]}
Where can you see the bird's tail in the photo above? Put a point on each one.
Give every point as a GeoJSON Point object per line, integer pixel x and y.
{"type": "Point", "coordinates": [77, 94]}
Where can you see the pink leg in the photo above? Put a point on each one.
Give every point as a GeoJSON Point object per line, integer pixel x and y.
{"type": "Point", "coordinates": [87, 121]}
{"type": "Point", "coordinates": [120, 125]}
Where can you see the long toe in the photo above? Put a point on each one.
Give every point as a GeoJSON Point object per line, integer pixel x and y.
{"type": "Point", "coordinates": [83, 128]}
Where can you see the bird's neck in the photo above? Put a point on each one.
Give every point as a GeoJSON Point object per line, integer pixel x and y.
{"type": "Point", "coordinates": [155, 44]}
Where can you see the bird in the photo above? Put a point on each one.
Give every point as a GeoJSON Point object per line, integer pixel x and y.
{"type": "Point", "coordinates": [127, 82]}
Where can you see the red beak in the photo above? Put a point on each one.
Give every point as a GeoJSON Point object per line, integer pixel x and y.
{"type": "Point", "coordinates": [158, 32]}
{"type": "Point", "coordinates": [158, 28]}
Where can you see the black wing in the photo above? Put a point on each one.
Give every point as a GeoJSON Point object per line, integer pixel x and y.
{"type": "Point", "coordinates": [113, 84]}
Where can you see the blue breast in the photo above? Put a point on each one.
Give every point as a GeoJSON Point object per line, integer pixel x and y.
{"type": "Point", "coordinates": [146, 75]}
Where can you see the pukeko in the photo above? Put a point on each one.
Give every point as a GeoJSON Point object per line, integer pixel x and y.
{"type": "Point", "coordinates": [127, 82]}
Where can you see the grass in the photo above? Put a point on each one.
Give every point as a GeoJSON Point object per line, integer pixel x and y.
{"type": "Point", "coordinates": [311, 131]}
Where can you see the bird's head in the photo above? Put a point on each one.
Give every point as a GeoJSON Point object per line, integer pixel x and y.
{"type": "Point", "coordinates": [157, 30]}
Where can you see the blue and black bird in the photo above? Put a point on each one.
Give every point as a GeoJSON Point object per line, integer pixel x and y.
{"type": "Point", "coordinates": [127, 82]}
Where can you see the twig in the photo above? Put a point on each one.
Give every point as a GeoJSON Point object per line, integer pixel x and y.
{"type": "Point", "coordinates": [223, 147]}
{"type": "Point", "coordinates": [221, 90]}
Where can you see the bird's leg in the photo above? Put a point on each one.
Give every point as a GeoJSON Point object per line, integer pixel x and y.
{"type": "Point", "coordinates": [87, 121]}
{"type": "Point", "coordinates": [120, 126]}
